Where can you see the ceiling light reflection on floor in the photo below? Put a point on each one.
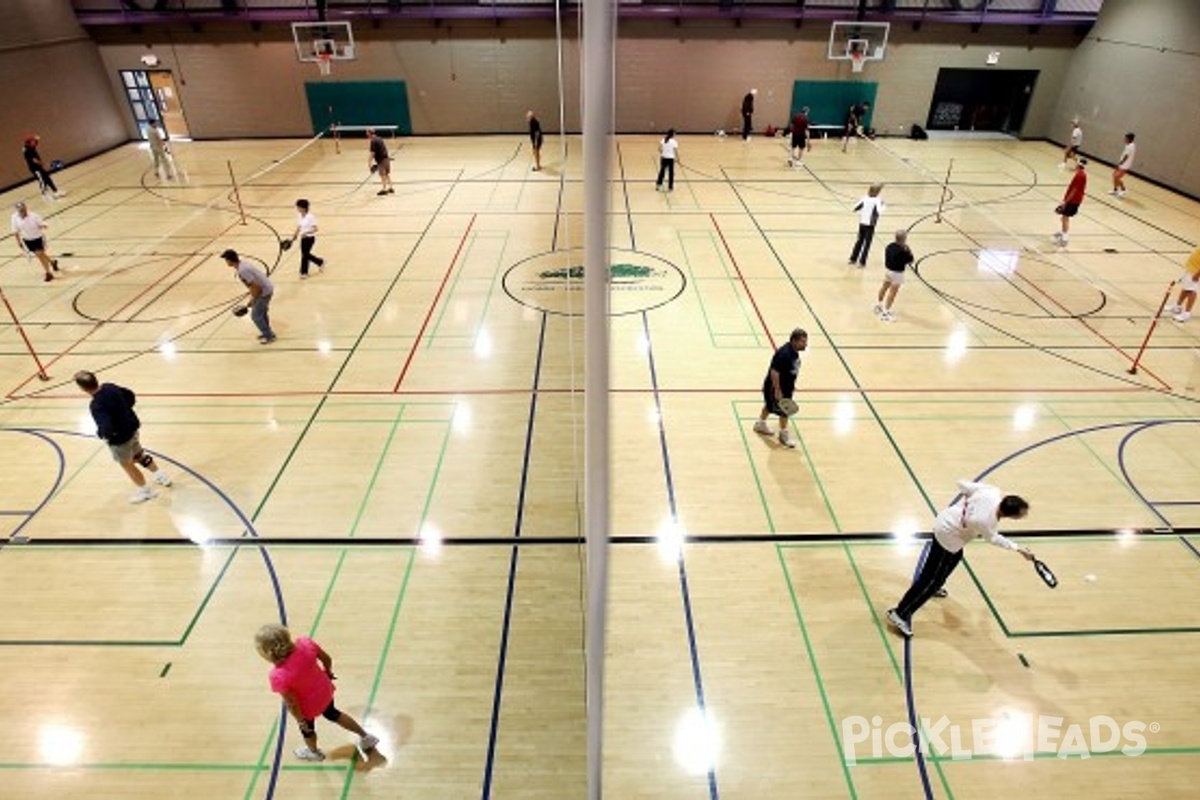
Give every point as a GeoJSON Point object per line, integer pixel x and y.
{"type": "Point", "coordinates": [60, 745]}
{"type": "Point", "coordinates": [697, 742]}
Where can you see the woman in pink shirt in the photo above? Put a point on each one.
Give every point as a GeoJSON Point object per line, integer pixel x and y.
{"type": "Point", "coordinates": [306, 686]}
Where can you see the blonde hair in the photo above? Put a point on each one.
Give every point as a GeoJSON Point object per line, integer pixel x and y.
{"type": "Point", "coordinates": [875, 189]}
{"type": "Point", "coordinates": [274, 643]}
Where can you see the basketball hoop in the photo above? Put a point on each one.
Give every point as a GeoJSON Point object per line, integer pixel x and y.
{"type": "Point", "coordinates": [856, 61]}
{"type": "Point", "coordinates": [325, 63]}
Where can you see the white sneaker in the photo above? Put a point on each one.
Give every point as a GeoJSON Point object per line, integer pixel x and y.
{"type": "Point", "coordinates": [1058, 237]}
{"type": "Point", "coordinates": [1113, 193]}
{"type": "Point", "coordinates": [762, 427]}
{"type": "Point", "coordinates": [785, 439]}
{"type": "Point", "coordinates": [368, 742]}
{"type": "Point", "coordinates": [878, 309]}
{"type": "Point", "coordinates": [899, 623]}
{"type": "Point", "coordinates": [942, 593]}
{"type": "Point", "coordinates": [304, 754]}
{"type": "Point", "coordinates": [1183, 316]}
{"type": "Point", "coordinates": [1174, 309]}
{"type": "Point", "coordinates": [142, 495]}
{"type": "Point", "coordinates": [1120, 193]}
{"type": "Point", "coordinates": [161, 478]}
{"type": "Point", "coordinates": [887, 316]}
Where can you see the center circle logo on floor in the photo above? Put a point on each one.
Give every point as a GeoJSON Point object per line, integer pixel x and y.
{"type": "Point", "coordinates": [553, 282]}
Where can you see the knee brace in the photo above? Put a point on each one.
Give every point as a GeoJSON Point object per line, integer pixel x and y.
{"type": "Point", "coordinates": [144, 458]}
{"type": "Point", "coordinates": [307, 729]}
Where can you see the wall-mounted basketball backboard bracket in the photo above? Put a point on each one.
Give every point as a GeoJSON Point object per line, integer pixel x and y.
{"type": "Point", "coordinates": [328, 41]}
{"type": "Point", "coordinates": [858, 41]}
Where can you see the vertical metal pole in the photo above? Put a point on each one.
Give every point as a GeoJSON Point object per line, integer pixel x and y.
{"type": "Point", "coordinates": [1153, 324]}
{"type": "Point", "coordinates": [945, 188]}
{"type": "Point", "coordinates": [41, 373]}
{"type": "Point", "coordinates": [598, 62]}
{"type": "Point", "coordinates": [237, 196]}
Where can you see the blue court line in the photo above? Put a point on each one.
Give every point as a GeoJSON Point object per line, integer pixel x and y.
{"type": "Point", "coordinates": [62, 462]}
{"type": "Point", "coordinates": [913, 720]}
{"type": "Point", "coordinates": [490, 763]}
{"type": "Point", "coordinates": [250, 531]}
{"type": "Point", "coordinates": [683, 579]}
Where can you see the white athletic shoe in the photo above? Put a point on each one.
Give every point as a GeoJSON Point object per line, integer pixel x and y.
{"type": "Point", "coordinates": [1176, 309]}
{"type": "Point", "coordinates": [1113, 193]}
{"type": "Point", "coordinates": [368, 742]}
{"type": "Point", "coordinates": [161, 478]}
{"type": "Point", "coordinates": [887, 316]}
{"type": "Point", "coordinates": [1058, 237]}
{"type": "Point", "coordinates": [942, 593]}
{"type": "Point", "coordinates": [899, 623]}
{"type": "Point", "coordinates": [878, 309]}
{"type": "Point", "coordinates": [1183, 316]}
{"type": "Point", "coordinates": [142, 495]}
{"type": "Point", "coordinates": [762, 427]}
{"type": "Point", "coordinates": [786, 439]}
{"type": "Point", "coordinates": [304, 754]}
{"type": "Point", "coordinates": [1120, 193]}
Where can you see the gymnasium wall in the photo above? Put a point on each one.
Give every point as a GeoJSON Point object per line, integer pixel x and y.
{"type": "Point", "coordinates": [1139, 70]}
{"type": "Point", "coordinates": [466, 77]}
{"type": "Point", "coordinates": [54, 86]}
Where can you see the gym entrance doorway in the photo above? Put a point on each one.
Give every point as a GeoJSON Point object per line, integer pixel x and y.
{"type": "Point", "coordinates": [981, 100]}
{"type": "Point", "coordinates": [153, 99]}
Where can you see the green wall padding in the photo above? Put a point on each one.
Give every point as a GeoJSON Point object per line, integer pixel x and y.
{"type": "Point", "coordinates": [828, 101]}
{"type": "Point", "coordinates": [358, 103]}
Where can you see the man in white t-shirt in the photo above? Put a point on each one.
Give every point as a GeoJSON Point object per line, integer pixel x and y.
{"type": "Point", "coordinates": [668, 149]}
{"type": "Point", "coordinates": [306, 230]}
{"type": "Point", "coordinates": [1123, 166]}
{"type": "Point", "coordinates": [30, 230]}
{"type": "Point", "coordinates": [869, 208]}
{"type": "Point", "coordinates": [1072, 151]}
{"type": "Point", "coordinates": [975, 513]}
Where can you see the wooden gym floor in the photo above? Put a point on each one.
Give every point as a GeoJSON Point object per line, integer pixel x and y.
{"type": "Point", "coordinates": [399, 476]}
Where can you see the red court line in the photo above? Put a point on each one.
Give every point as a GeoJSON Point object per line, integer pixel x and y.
{"type": "Point", "coordinates": [429, 314]}
{"type": "Point", "coordinates": [12, 392]}
{"type": "Point", "coordinates": [1085, 324]}
{"type": "Point", "coordinates": [742, 278]}
{"type": "Point", "coordinates": [526, 392]}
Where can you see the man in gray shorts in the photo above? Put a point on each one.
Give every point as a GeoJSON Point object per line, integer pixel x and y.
{"type": "Point", "coordinates": [117, 424]}
{"type": "Point", "coordinates": [379, 161]}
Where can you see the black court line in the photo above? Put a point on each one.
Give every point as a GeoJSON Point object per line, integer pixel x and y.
{"type": "Point", "coordinates": [824, 537]}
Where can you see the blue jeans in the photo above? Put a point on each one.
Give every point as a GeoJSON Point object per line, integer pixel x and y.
{"type": "Point", "coordinates": [258, 314]}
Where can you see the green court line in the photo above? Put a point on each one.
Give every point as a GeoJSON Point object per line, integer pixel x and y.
{"type": "Point", "coordinates": [752, 330]}
{"type": "Point", "coordinates": [383, 657]}
{"type": "Point", "coordinates": [883, 635]}
{"type": "Point", "coordinates": [812, 659]}
{"type": "Point", "coordinates": [762, 497]}
{"type": "Point", "coordinates": [812, 467]}
{"type": "Point", "coordinates": [687, 263]}
{"type": "Point", "coordinates": [458, 273]}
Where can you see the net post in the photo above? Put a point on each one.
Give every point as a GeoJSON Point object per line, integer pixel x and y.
{"type": "Point", "coordinates": [237, 196]}
{"type": "Point", "coordinates": [337, 136]}
{"type": "Point", "coordinates": [1153, 324]}
{"type": "Point", "coordinates": [945, 188]}
{"type": "Point", "coordinates": [41, 373]}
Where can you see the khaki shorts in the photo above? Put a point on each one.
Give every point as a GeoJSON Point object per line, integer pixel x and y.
{"type": "Point", "coordinates": [126, 451]}
{"type": "Point", "coordinates": [384, 167]}
{"type": "Point", "coordinates": [893, 277]}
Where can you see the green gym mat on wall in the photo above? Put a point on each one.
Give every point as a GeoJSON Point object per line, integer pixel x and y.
{"type": "Point", "coordinates": [358, 103]}
{"type": "Point", "coordinates": [828, 101]}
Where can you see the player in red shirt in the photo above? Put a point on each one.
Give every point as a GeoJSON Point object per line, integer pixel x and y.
{"type": "Point", "coordinates": [1072, 200]}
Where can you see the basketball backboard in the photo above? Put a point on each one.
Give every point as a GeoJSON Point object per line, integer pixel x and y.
{"type": "Point", "coordinates": [863, 40]}
{"type": "Point", "coordinates": [333, 40]}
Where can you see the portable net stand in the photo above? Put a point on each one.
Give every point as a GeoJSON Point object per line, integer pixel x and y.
{"type": "Point", "coordinates": [1153, 324]}
{"type": "Point", "coordinates": [41, 373]}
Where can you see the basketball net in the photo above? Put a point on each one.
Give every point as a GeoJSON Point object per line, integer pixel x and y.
{"type": "Point", "coordinates": [325, 63]}
{"type": "Point", "coordinates": [856, 62]}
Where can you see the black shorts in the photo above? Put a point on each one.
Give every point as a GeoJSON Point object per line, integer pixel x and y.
{"type": "Point", "coordinates": [35, 245]}
{"type": "Point", "coordinates": [1072, 150]}
{"type": "Point", "coordinates": [330, 713]}
{"type": "Point", "coordinates": [768, 393]}
{"type": "Point", "coordinates": [536, 140]}
{"type": "Point", "coordinates": [1068, 209]}
{"type": "Point", "coordinates": [799, 140]}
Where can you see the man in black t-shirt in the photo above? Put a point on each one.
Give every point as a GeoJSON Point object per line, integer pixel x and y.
{"type": "Point", "coordinates": [897, 257]}
{"type": "Point", "coordinates": [535, 138]}
{"type": "Point", "coordinates": [748, 113]}
{"type": "Point", "coordinates": [780, 383]}
{"type": "Point", "coordinates": [118, 425]}
{"type": "Point", "coordinates": [854, 122]}
{"type": "Point", "coordinates": [379, 161]}
{"type": "Point", "coordinates": [37, 168]}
